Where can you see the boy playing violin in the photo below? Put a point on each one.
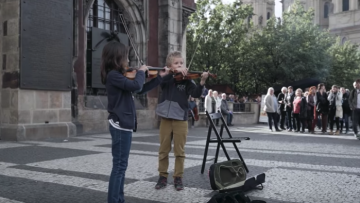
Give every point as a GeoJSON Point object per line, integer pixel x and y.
{"type": "Point", "coordinates": [173, 108]}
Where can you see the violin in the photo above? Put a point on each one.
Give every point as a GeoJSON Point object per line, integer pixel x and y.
{"type": "Point", "coordinates": [130, 73]}
{"type": "Point", "coordinates": [191, 75]}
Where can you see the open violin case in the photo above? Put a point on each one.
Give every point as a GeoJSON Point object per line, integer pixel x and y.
{"type": "Point", "coordinates": [229, 178]}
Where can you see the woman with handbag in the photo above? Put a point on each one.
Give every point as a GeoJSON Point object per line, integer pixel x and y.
{"type": "Point", "coordinates": [300, 110]}
{"type": "Point", "coordinates": [310, 108]}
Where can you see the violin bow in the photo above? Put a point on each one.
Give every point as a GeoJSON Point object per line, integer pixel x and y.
{"type": "Point", "coordinates": [192, 57]}
{"type": "Point", "coordinates": [130, 38]}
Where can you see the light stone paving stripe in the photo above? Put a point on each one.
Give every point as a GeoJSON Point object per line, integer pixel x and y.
{"type": "Point", "coordinates": [4, 200]}
{"type": "Point", "coordinates": [145, 190]}
{"type": "Point", "coordinates": [291, 146]}
{"type": "Point", "coordinates": [265, 131]}
{"type": "Point", "coordinates": [4, 165]}
{"type": "Point", "coordinates": [140, 166]}
{"type": "Point", "coordinates": [6, 145]}
{"type": "Point", "coordinates": [229, 147]}
{"type": "Point", "coordinates": [140, 189]}
{"type": "Point", "coordinates": [88, 145]}
{"type": "Point", "coordinates": [136, 134]}
{"type": "Point", "coordinates": [276, 164]}
{"type": "Point", "coordinates": [55, 178]}
{"type": "Point", "coordinates": [310, 186]}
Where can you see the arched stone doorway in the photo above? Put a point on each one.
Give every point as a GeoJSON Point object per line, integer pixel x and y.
{"type": "Point", "coordinates": [89, 100]}
{"type": "Point", "coordinates": [104, 16]}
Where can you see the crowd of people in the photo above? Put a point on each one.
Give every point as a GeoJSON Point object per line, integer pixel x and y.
{"type": "Point", "coordinates": [214, 101]}
{"type": "Point", "coordinates": [300, 110]}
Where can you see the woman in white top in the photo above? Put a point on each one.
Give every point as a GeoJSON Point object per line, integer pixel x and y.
{"type": "Point", "coordinates": [270, 107]}
{"type": "Point", "coordinates": [208, 104]}
{"type": "Point", "coordinates": [217, 104]}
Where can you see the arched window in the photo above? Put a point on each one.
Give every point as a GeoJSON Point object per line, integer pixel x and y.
{"type": "Point", "coordinates": [345, 5]}
{"type": "Point", "coordinates": [268, 15]}
{"type": "Point", "coordinates": [104, 14]}
{"type": "Point", "coordinates": [326, 10]}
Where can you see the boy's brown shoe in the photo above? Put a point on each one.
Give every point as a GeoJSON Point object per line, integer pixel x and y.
{"type": "Point", "coordinates": [178, 183]}
{"type": "Point", "coordinates": [162, 182]}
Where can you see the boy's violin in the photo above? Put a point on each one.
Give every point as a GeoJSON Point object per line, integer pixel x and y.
{"type": "Point", "coordinates": [191, 75]}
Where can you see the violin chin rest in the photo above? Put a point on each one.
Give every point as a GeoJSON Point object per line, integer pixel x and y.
{"type": "Point", "coordinates": [152, 72]}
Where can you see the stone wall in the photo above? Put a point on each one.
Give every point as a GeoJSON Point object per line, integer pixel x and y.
{"type": "Point", "coordinates": [239, 118]}
{"type": "Point", "coordinates": [92, 117]}
{"type": "Point", "coordinates": [170, 28]}
{"type": "Point", "coordinates": [27, 114]}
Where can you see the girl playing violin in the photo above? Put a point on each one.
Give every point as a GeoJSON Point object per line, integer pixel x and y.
{"type": "Point", "coordinates": [121, 108]}
{"type": "Point", "coordinates": [173, 108]}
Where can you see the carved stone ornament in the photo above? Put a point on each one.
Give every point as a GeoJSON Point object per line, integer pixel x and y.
{"type": "Point", "coordinates": [331, 7]}
{"type": "Point", "coordinates": [260, 20]}
{"type": "Point", "coordinates": [140, 5]}
{"type": "Point", "coordinates": [185, 19]}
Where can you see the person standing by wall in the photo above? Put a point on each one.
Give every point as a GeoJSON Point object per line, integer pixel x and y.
{"type": "Point", "coordinates": [270, 107]}
{"type": "Point", "coordinates": [346, 111]}
{"type": "Point", "coordinates": [322, 106]}
{"type": "Point", "coordinates": [310, 108]}
{"type": "Point", "coordinates": [289, 99]}
{"type": "Point", "coordinates": [225, 110]}
{"type": "Point", "coordinates": [335, 110]}
{"type": "Point", "coordinates": [282, 107]}
{"type": "Point", "coordinates": [300, 110]}
{"type": "Point", "coordinates": [354, 102]}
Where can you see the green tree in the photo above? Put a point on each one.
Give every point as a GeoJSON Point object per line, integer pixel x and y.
{"type": "Point", "coordinates": [345, 66]}
{"type": "Point", "coordinates": [253, 58]}
{"type": "Point", "coordinates": [215, 33]}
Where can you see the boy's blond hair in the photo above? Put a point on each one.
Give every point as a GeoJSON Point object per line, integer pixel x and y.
{"type": "Point", "coordinates": [170, 57]}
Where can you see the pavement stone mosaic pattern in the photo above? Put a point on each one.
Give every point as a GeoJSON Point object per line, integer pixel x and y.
{"type": "Point", "coordinates": [300, 168]}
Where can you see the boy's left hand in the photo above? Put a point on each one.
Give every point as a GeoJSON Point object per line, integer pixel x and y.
{"type": "Point", "coordinates": [204, 76]}
{"type": "Point", "coordinates": [182, 70]}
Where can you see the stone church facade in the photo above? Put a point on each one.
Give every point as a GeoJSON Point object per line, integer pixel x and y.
{"type": "Point", "coordinates": [50, 64]}
{"type": "Point", "coordinates": [341, 17]}
{"type": "Point", "coordinates": [263, 10]}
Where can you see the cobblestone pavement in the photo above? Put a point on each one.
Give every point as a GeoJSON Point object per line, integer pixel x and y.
{"type": "Point", "coordinates": [299, 168]}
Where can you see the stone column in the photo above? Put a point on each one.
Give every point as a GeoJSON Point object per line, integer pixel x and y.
{"type": "Point", "coordinates": [27, 114]}
{"type": "Point", "coordinates": [170, 28]}
{"type": "Point", "coordinates": [353, 5]}
{"type": "Point", "coordinates": [337, 6]}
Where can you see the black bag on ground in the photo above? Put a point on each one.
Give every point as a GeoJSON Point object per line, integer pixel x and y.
{"type": "Point", "coordinates": [233, 197]}
{"type": "Point", "coordinates": [227, 174]}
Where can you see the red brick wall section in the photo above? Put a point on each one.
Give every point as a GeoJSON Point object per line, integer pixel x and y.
{"type": "Point", "coordinates": [153, 44]}
{"type": "Point", "coordinates": [79, 66]}
{"type": "Point", "coordinates": [189, 4]}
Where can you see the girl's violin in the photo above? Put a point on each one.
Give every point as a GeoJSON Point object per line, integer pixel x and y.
{"type": "Point", "coordinates": [130, 73]}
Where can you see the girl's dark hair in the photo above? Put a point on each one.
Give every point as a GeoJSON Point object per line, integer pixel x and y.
{"type": "Point", "coordinates": [114, 57]}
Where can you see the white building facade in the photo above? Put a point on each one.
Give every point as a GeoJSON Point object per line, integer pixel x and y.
{"type": "Point", "coordinates": [340, 17]}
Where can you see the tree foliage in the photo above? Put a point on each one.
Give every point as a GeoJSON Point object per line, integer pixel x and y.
{"type": "Point", "coordinates": [252, 58]}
